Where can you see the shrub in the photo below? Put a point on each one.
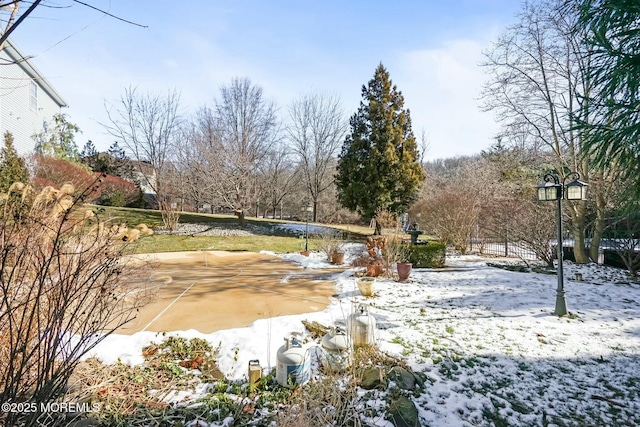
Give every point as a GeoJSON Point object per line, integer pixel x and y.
{"type": "Point", "coordinates": [431, 255]}
{"type": "Point", "coordinates": [452, 215]}
{"type": "Point", "coordinates": [395, 250]}
{"type": "Point", "coordinates": [118, 192]}
{"type": "Point", "coordinates": [12, 166]}
{"type": "Point", "coordinates": [40, 184]}
{"type": "Point", "coordinates": [60, 172]}
{"type": "Point", "coordinates": [330, 243]}
{"type": "Point", "coordinates": [115, 199]}
{"type": "Point", "coordinates": [64, 287]}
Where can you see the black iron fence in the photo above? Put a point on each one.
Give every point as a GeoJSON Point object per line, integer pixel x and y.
{"type": "Point", "coordinates": [494, 247]}
{"type": "Point", "coordinates": [503, 248]}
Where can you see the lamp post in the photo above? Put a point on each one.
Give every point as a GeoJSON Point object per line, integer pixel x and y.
{"type": "Point", "coordinates": [308, 208]}
{"type": "Point", "coordinates": [555, 189]}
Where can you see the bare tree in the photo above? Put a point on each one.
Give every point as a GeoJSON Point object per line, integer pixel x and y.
{"type": "Point", "coordinates": [317, 128]}
{"type": "Point", "coordinates": [450, 206]}
{"type": "Point", "coordinates": [510, 213]}
{"type": "Point", "coordinates": [538, 87]}
{"type": "Point", "coordinates": [148, 126]}
{"type": "Point", "coordinates": [280, 177]}
{"type": "Point", "coordinates": [61, 293]}
{"type": "Point", "coordinates": [423, 145]}
{"type": "Point", "coordinates": [233, 139]}
{"type": "Point", "coordinates": [532, 229]}
{"type": "Point", "coordinates": [191, 163]}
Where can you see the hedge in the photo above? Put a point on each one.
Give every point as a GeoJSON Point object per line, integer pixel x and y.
{"type": "Point", "coordinates": [430, 255]}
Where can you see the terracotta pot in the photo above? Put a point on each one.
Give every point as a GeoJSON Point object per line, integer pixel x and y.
{"type": "Point", "coordinates": [374, 270]}
{"type": "Point", "coordinates": [366, 285]}
{"type": "Point", "coordinates": [337, 258]}
{"type": "Point", "coordinates": [305, 253]}
{"type": "Point", "coordinates": [404, 270]}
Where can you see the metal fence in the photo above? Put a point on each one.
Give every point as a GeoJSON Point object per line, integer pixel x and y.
{"type": "Point", "coordinates": [501, 248]}
{"type": "Point", "coordinates": [607, 254]}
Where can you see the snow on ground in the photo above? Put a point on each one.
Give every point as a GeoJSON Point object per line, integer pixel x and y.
{"type": "Point", "coordinates": [485, 337]}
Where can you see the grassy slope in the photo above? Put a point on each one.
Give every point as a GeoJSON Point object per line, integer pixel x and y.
{"type": "Point", "coordinates": [168, 243]}
{"type": "Point", "coordinates": [175, 243]}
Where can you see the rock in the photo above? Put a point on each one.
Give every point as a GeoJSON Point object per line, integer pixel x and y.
{"type": "Point", "coordinates": [210, 370]}
{"type": "Point", "coordinates": [403, 412]}
{"type": "Point", "coordinates": [403, 378]}
{"type": "Point", "coordinates": [372, 378]}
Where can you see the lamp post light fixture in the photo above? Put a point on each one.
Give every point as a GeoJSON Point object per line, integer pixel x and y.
{"type": "Point", "coordinates": [555, 189]}
{"type": "Point", "coordinates": [308, 208]}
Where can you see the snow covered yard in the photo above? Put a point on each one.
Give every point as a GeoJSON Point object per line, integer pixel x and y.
{"type": "Point", "coordinates": [492, 351]}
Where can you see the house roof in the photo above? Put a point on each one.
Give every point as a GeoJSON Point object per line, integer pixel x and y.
{"type": "Point", "coordinates": [23, 61]}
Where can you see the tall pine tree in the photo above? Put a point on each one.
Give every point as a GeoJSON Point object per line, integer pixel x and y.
{"type": "Point", "coordinates": [378, 167]}
{"type": "Point", "coordinates": [12, 167]}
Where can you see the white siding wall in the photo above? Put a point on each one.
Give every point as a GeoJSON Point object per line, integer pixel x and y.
{"type": "Point", "coordinates": [16, 114]}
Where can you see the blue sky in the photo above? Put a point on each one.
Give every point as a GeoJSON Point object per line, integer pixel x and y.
{"type": "Point", "coordinates": [431, 49]}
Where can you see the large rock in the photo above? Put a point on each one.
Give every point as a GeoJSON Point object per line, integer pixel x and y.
{"type": "Point", "coordinates": [403, 378]}
{"type": "Point", "coordinates": [403, 412]}
{"type": "Point", "coordinates": [373, 378]}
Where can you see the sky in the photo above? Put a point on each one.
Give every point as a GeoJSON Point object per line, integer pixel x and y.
{"type": "Point", "coordinates": [486, 339]}
{"type": "Point", "coordinates": [431, 48]}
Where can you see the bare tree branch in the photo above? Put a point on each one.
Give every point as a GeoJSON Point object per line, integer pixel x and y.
{"type": "Point", "coordinates": [317, 128]}
{"type": "Point", "coordinates": [9, 28]}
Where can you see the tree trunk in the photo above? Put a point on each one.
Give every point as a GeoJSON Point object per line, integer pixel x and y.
{"type": "Point", "coordinates": [579, 249]}
{"type": "Point", "coordinates": [240, 214]}
{"type": "Point", "coordinates": [598, 229]}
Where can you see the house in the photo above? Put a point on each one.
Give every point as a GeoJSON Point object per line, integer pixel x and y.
{"type": "Point", "coordinates": [28, 102]}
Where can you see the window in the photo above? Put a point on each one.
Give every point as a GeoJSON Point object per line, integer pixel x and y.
{"type": "Point", "coordinates": [34, 95]}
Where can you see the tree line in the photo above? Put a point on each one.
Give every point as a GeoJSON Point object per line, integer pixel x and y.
{"type": "Point", "coordinates": [560, 81]}
{"type": "Point", "coordinates": [238, 155]}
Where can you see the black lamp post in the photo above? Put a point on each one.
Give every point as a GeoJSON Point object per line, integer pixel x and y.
{"type": "Point", "coordinates": [555, 189]}
{"type": "Point", "coordinates": [308, 208]}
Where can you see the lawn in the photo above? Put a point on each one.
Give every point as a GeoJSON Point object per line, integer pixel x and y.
{"type": "Point", "coordinates": [175, 243]}
{"type": "Point", "coordinates": [274, 239]}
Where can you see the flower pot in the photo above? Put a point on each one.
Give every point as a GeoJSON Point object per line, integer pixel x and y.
{"type": "Point", "coordinates": [404, 270]}
{"type": "Point", "coordinates": [374, 270]}
{"type": "Point", "coordinates": [337, 258]}
{"type": "Point", "coordinates": [366, 285]}
{"type": "Point", "coordinates": [305, 253]}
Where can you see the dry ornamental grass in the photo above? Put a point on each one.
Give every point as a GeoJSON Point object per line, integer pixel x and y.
{"type": "Point", "coordinates": [61, 292]}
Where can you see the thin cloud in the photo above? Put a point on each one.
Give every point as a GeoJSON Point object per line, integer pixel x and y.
{"type": "Point", "coordinates": [441, 87]}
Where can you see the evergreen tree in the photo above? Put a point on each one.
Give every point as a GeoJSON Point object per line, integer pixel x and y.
{"type": "Point", "coordinates": [119, 163]}
{"type": "Point", "coordinates": [378, 167]}
{"type": "Point", "coordinates": [58, 142]}
{"type": "Point", "coordinates": [12, 167]}
{"type": "Point", "coordinates": [88, 151]}
{"type": "Point", "coordinates": [114, 162]}
{"type": "Point", "coordinates": [613, 29]}
{"type": "Point", "coordinates": [90, 157]}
